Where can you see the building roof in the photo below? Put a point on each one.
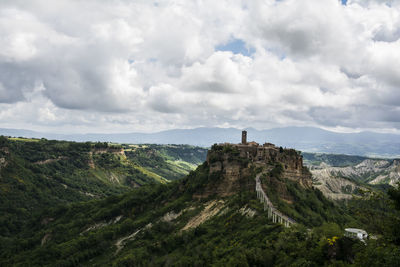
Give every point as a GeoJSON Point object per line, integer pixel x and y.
{"type": "Point", "coordinates": [252, 143]}
{"type": "Point", "coordinates": [355, 231]}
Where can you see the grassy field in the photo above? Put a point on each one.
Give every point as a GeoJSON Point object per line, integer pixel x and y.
{"type": "Point", "coordinates": [21, 139]}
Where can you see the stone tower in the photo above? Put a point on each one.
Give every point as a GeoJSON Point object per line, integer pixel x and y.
{"type": "Point", "coordinates": [244, 137]}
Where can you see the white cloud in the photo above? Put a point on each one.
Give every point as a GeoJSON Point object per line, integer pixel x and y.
{"type": "Point", "coordinates": [139, 65]}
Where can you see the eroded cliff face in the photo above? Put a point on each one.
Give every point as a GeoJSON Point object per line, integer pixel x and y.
{"type": "Point", "coordinates": [331, 185]}
{"type": "Point", "coordinates": [116, 151]}
{"type": "Point", "coordinates": [233, 167]}
{"type": "Point", "coordinates": [293, 168]}
{"type": "Point", "coordinates": [228, 175]}
{"type": "Point", "coordinates": [372, 171]}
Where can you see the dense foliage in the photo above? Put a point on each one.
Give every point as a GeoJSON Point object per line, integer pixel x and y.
{"type": "Point", "coordinates": [231, 238]}
{"type": "Point", "coordinates": [148, 226]}
{"type": "Point", "coordinates": [40, 173]}
{"type": "Point", "coordinates": [306, 206]}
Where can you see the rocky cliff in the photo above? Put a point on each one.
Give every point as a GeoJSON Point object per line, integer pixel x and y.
{"type": "Point", "coordinates": [228, 172]}
{"type": "Point", "coordinates": [233, 167]}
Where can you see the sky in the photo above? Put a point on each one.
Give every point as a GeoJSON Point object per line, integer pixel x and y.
{"type": "Point", "coordinates": [73, 66]}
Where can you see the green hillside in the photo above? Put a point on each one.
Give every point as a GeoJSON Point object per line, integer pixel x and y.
{"type": "Point", "coordinates": [40, 173]}
{"type": "Point", "coordinates": [168, 161]}
{"type": "Point", "coordinates": [191, 222]}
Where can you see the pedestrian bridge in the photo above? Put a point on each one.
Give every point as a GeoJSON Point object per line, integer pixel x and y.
{"type": "Point", "coordinates": [273, 213]}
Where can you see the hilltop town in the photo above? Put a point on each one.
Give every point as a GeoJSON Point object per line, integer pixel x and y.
{"type": "Point", "coordinates": [265, 156]}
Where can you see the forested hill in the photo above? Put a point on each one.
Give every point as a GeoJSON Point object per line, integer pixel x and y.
{"type": "Point", "coordinates": [40, 173]}
{"type": "Point", "coordinates": [212, 217]}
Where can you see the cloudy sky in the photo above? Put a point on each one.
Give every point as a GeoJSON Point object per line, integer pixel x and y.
{"type": "Point", "coordinates": [141, 65]}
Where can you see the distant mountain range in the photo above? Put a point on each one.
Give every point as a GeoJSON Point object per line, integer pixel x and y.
{"type": "Point", "coordinates": [308, 139]}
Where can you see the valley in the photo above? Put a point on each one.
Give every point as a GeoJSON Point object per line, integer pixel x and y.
{"type": "Point", "coordinates": [39, 173]}
{"type": "Point", "coordinates": [200, 133]}
{"type": "Point", "coordinates": [103, 204]}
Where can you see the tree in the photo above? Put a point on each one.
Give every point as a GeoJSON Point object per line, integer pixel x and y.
{"type": "Point", "coordinates": [394, 194]}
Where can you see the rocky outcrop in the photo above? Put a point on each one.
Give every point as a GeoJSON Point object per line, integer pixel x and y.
{"type": "Point", "coordinates": [4, 152]}
{"type": "Point", "coordinates": [210, 210]}
{"type": "Point", "coordinates": [116, 151]}
{"type": "Point", "coordinates": [391, 175]}
{"type": "Point", "coordinates": [228, 176]}
{"type": "Point", "coordinates": [232, 167]}
{"type": "Point", "coordinates": [46, 238]}
{"type": "Point", "coordinates": [333, 187]}
{"type": "Point", "coordinates": [373, 171]}
{"type": "Point", "coordinates": [3, 163]}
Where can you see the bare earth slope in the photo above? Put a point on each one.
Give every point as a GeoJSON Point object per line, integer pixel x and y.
{"type": "Point", "coordinates": [341, 182]}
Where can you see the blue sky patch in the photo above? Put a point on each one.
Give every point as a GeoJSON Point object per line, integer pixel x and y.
{"type": "Point", "coordinates": [344, 2]}
{"type": "Point", "coordinates": [236, 46]}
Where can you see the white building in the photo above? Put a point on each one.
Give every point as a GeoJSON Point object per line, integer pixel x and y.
{"type": "Point", "coordinates": [356, 233]}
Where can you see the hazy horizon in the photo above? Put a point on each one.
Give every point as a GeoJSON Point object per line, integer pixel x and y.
{"type": "Point", "coordinates": [306, 139]}
{"type": "Point", "coordinates": [63, 132]}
